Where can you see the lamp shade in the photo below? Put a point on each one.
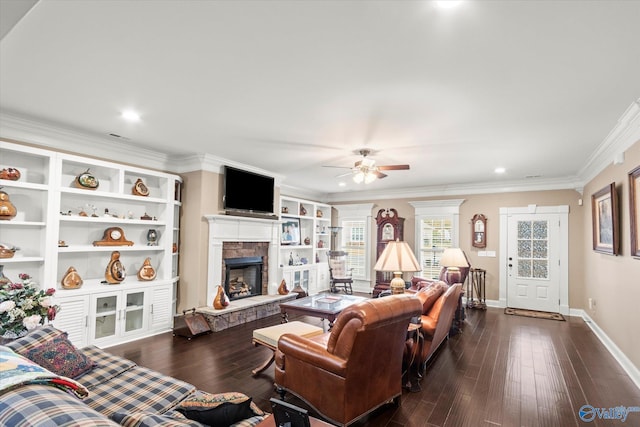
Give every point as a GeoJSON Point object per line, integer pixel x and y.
{"type": "Point", "coordinates": [397, 256]}
{"type": "Point", "coordinates": [453, 257]}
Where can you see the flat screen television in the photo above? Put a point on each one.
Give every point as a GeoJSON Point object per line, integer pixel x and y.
{"type": "Point", "coordinates": [247, 191]}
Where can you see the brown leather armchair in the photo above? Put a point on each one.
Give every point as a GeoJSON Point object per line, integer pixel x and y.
{"type": "Point", "coordinates": [356, 367]}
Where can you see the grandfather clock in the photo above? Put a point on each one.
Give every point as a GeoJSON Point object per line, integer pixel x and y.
{"type": "Point", "coordinates": [390, 227]}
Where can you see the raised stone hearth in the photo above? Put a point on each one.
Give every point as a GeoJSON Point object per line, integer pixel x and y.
{"type": "Point", "coordinates": [244, 310]}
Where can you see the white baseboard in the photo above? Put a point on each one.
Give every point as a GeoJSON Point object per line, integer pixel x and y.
{"type": "Point", "coordinates": [621, 358]}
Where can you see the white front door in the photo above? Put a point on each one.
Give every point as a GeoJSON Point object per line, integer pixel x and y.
{"type": "Point", "coordinates": [533, 261]}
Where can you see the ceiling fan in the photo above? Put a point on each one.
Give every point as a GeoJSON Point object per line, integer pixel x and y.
{"type": "Point", "coordinates": [366, 170]}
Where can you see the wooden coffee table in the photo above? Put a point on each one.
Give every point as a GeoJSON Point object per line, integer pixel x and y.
{"type": "Point", "coordinates": [325, 306]}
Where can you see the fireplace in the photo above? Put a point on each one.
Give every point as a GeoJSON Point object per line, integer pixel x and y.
{"type": "Point", "coordinates": [243, 277]}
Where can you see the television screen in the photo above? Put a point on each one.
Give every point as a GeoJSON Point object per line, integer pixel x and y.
{"type": "Point", "coordinates": [247, 191]}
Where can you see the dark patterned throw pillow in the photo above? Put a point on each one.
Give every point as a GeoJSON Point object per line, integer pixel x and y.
{"type": "Point", "coordinates": [60, 357]}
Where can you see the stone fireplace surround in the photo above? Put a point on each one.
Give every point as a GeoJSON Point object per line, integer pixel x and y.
{"type": "Point", "coordinates": [238, 235]}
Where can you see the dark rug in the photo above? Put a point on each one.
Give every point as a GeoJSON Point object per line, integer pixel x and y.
{"type": "Point", "coordinates": [533, 313]}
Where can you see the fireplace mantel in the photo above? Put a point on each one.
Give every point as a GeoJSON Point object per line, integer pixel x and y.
{"type": "Point", "coordinates": [227, 228]}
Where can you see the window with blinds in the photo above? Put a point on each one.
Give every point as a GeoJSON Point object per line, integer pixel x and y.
{"type": "Point", "coordinates": [354, 243]}
{"type": "Point", "coordinates": [435, 236]}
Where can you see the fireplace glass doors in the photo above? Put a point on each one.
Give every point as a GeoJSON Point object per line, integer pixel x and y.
{"type": "Point", "coordinates": [243, 277]}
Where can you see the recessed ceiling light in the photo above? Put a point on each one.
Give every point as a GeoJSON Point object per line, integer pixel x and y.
{"type": "Point", "coordinates": [448, 4]}
{"type": "Point", "coordinates": [499, 170]}
{"type": "Point", "coordinates": [131, 116]}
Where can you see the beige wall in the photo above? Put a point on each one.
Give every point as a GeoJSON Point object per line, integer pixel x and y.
{"type": "Point", "coordinates": [614, 281]}
{"type": "Point", "coordinates": [489, 205]}
{"type": "Point", "coordinates": [200, 196]}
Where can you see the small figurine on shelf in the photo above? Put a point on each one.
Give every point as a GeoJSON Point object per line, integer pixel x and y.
{"type": "Point", "coordinates": [297, 261]}
{"type": "Point", "coordinates": [317, 258]}
{"type": "Point", "coordinates": [291, 258]}
{"type": "Point", "coordinates": [307, 241]}
{"type": "Point", "coordinates": [82, 212]}
{"type": "Point", "coordinates": [303, 211]}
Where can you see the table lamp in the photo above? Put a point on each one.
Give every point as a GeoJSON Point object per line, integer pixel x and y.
{"type": "Point", "coordinates": [397, 258]}
{"type": "Point", "coordinates": [452, 259]}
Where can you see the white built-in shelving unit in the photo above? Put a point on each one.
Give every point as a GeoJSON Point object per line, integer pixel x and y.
{"type": "Point", "coordinates": [53, 235]}
{"type": "Point", "coordinates": [310, 268]}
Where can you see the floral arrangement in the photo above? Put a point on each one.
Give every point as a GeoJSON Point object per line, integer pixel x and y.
{"type": "Point", "coordinates": [23, 306]}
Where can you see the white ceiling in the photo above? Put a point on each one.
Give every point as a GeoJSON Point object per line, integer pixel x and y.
{"type": "Point", "coordinates": [291, 86]}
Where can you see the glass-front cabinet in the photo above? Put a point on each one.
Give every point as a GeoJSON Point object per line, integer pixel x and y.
{"type": "Point", "coordinates": [117, 314]}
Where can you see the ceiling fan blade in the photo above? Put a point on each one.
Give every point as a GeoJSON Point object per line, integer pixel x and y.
{"type": "Point", "coordinates": [380, 175]}
{"type": "Point", "coordinates": [393, 167]}
{"type": "Point", "coordinates": [339, 167]}
{"type": "Point", "coordinates": [344, 174]}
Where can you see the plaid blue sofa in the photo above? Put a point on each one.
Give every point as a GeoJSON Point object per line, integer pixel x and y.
{"type": "Point", "coordinates": [116, 386]}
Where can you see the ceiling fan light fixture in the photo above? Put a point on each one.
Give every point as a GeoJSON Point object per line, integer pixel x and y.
{"type": "Point", "coordinates": [358, 177]}
{"type": "Point", "coordinates": [369, 177]}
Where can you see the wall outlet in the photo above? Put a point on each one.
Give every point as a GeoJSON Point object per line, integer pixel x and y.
{"type": "Point", "coordinates": [592, 303]}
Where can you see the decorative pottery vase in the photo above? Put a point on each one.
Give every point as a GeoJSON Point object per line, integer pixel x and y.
{"type": "Point", "coordinates": [87, 181]}
{"type": "Point", "coordinates": [319, 213]}
{"type": "Point", "coordinates": [71, 279]}
{"type": "Point", "coordinates": [303, 211]}
{"type": "Point", "coordinates": [146, 272]}
{"type": "Point", "coordinates": [221, 300]}
{"type": "Point", "coordinates": [11, 174]}
{"type": "Point", "coordinates": [307, 240]}
{"type": "Point", "coordinates": [174, 248]}
{"type": "Point", "coordinates": [139, 188]}
{"type": "Point", "coordinates": [282, 289]}
{"type": "Point", "coordinates": [7, 250]}
{"type": "Point", "coordinates": [115, 273]}
{"type": "Point", "coordinates": [152, 237]}
{"type": "Point", "coordinates": [7, 210]}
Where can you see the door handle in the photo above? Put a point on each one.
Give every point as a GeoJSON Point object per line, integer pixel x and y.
{"type": "Point", "coordinates": [510, 265]}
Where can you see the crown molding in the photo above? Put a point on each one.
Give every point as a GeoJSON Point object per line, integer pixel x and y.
{"type": "Point", "coordinates": [211, 163]}
{"type": "Point", "coordinates": [58, 138]}
{"type": "Point", "coordinates": [625, 133]}
{"type": "Point", "coordinates": [571, 183]}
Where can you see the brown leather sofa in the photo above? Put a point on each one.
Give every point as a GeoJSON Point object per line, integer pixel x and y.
{"type": "Point", "coordinates": [356, 367]}
{"type": "Point", "coordinates": [436, 320]}
{"type": "Point", "coordinates": [436, 323]}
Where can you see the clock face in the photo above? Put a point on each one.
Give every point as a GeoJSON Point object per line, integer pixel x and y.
{"type": "Point", "coordinates": [115, 234]}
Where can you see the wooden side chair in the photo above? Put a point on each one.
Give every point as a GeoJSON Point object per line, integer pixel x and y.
{"type": "Point", "coordinates": [339, 274]}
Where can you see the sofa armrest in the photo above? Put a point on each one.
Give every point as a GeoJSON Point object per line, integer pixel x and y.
{"type": "Point", "coordinates": [311, 352]}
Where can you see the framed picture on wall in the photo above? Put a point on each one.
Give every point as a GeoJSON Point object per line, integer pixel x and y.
{"type": "Point", "coordinates": [604, 216]}
{"type": "Point", "coordinates": [634, 205]}
{"type": "Point", "coordinates": [290, 234]}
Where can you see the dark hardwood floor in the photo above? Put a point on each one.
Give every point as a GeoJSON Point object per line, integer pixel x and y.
{"type": "Point", "coordinates": [500, 371]}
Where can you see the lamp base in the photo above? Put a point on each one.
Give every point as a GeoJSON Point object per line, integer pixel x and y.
{"type": "Point", "coordinates": [452, 275]}
{"type": "Point", "coordinates": [397, 283]}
